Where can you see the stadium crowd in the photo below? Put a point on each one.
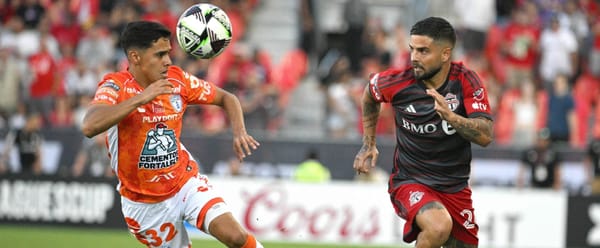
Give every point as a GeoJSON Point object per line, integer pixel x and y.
{"type": "Point", "coordinates": [539, 59]}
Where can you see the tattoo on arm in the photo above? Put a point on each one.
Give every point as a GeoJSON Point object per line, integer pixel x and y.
{"type": "Point", "coordinates": [370, 114]}
{"type": "Point", "coordinates": [476, 130]}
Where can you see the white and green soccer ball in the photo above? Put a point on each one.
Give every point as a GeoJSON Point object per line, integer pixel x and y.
{"type": "Point", "coordinates": [204, 30]}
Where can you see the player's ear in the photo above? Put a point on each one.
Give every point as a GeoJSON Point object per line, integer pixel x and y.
{"type": "Point", "coordinates": [134, 57]}
{"type": "Point", "coordinates": [446, 53]}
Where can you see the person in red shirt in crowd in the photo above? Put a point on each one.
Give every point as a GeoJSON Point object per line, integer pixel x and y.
{"type": "Point", "coordinates": [45, 84]}
{"type": "Point", "coordinates": [520, 47]}
{"type": "Point", "coordinates": [66, 30]}
{"type": "Point", "coordinates": [159, 11]}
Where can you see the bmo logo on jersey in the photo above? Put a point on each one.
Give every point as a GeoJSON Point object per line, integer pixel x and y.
{"type": "Point", "coordinates": [427, 128]}
{"type": "Point", "coordinates": [160, 149]}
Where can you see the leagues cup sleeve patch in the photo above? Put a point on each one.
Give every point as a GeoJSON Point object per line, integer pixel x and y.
{"type": "Point", "coordinates": [375, 92]}
{"type": "Point", "coordinates": [110, 84]}
{"type": "Point", "coordinates": [479, 94]}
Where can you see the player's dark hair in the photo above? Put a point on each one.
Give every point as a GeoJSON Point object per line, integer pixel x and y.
{"type": "Point", "coordinates": [142, 34]}
{"type": "Point", "coordinates": [436, 28]}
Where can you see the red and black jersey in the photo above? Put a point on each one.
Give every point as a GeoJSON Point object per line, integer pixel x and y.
{"type": "Point", "coordinates": [429, 150]}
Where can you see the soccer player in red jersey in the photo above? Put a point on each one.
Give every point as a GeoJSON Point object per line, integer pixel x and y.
{"type": "Point", "coordinates": [141, 109]}
{"type": "Point", "coordinates": [440, 108]}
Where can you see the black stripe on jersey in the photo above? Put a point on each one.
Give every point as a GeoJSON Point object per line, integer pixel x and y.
{"type": "Point", "coordinates": [473, 79]}
{"type": "Point", "coordinates": [393, 79]}
{"type": "Point", "coordinates": [455, 71]}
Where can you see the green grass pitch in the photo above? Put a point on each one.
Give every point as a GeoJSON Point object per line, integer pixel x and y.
{"type": "Point", "coordinates": [61, 237]}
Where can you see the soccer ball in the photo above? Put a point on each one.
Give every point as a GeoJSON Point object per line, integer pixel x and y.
{"type": "Point", "coordinates": [203, 30]}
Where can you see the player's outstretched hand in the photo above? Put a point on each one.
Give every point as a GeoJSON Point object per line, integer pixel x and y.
{"type": "Point", "coordinates": [441, 106]}
{"type": "Point", "coordinates": [366, 159]}
{"type": "Point", "coordinates": [160, 87]}
{"type": "Point", "coordinates": [243, 145]}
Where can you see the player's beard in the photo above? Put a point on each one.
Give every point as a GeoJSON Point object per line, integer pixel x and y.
{"type": "Point", "coordinates": [427, 74]}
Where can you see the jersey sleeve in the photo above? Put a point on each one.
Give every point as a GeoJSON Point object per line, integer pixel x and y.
{"type": "Point", "coordinates": [374, 88]}
{"type": "Point", "coordinates": [108, 90]}
{"type": "Point", "coordinates": [475, 96]}
{"type": "Point", "coordinates": [379, 85]}
{"type": "Point", "coordinates": [195, 90]}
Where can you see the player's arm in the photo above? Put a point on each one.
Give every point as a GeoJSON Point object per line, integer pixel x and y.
{"type": "Point", "coordinates": [477, 130]}
{"type": "Point", "coordinates": [368, 153]}
{"type": "Point", "coordinates": [100, 117]}
{"type": "Point", "coordinates": [243, 144]}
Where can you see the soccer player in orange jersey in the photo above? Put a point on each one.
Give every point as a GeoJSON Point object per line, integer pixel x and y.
{"type": "Point", "coordinates": [142, 109]}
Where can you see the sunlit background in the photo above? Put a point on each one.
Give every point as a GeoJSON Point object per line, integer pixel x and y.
{"type": "Point", "coordinates": [299, 68]}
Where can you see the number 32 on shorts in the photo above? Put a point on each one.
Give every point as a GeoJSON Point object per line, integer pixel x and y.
{"type": "Point", "coordinates": [152, 236]}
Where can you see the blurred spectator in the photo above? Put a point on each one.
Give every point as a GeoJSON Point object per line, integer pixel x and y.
{"type": "Point", "coordinates": [521, 37]}
{"type": "Point", "coordinates": [355, 16]}
{"type": "Point", "coordinates": [520, 114]}
{"type": "Point", "coordinates": [66, 31]}
{"type": "Point", "coordinates": [594, 59]}
{"type": "Point", "coordinates": [542, 163]}
{"type": "Point", "coordinates": [504, 10]}
{"type": "Point", "coordinates": [526, 116]}
{"type": "Point", "coordinates": [311, 170]}
{"type": "Point", "coordinates": [574, 19]}
{"type": "Point", "coordinates": [475, 19]}
{"type": "Point", "coordinates": [31, 11]}
{"type": "Point", "coordinates": [308, 27]}
{"type": "Point", "coordinates": [7, 10]}
{"type": "Point", "coordinates": [96, 44]}
{"type": "Point", "coordinates": [400, 53]}
{"type": "Point", "coordinates": [11, 70]}
{"type": "Point", "coordinates": [45, 84]}
{"type": "Point", "coordinates": [87, 11]}
{"type": "Point", "coordinates": [213, 120]}
{"type": "Point", "coordinates": [28, 141]}
{"type": "Point", "coordinates": [305, 115]}
{"type": "Point", "coordinates": [558, 51]}
{"type": "Point", "coordinates": [62, 114]}
{"type": "Point", "coordinates": [92, 159]}
{"type": "Point", "coordinates": [81, 80]}
{"type": "Point", "coordinates": [159, 11]}
{"type": "Point", "coordinates": [592, 165]}
{"type": "Point", "coordinates": [15, 36]}
{"type": "Point", "coordinates": [79, 112]}
{"type": "Point", "coordinates": [18, 119]}
{"type": "Point", "coordinates": [342, 112]}
{"type": "Point", "coordinates": [258, 100]}
{"type": "Point", "coordinates": [561, 120]}
{"type": "Point", "coordinates": [586, 94]}
{"type": "Point", "coordinates": [66, 62]}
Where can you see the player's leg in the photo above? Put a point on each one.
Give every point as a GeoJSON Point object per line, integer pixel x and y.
{"type": "Point", "coordinates": [155, 225]}
{"type": "Point", "coordinates": [427, 220]}
{"type": "Point", "coordinates": [435, 223]}
{"type": "Point", "coordinates": [455, 243]}
{"type": "Point", "coordinates": [209, 213]}
{"type": "Point", "coordinates": [227, 230]}
{"type": "Point", "coordinates": [465, 228]}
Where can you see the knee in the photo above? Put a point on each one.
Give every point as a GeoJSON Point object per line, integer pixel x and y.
{"type": "Point", "coordinates": [437, 231]}
{"type": "Point", "coordinates": [440, 230]}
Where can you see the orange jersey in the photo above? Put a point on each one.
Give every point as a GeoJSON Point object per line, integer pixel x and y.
{"type": "Point", "coordinates": [146, 154]}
